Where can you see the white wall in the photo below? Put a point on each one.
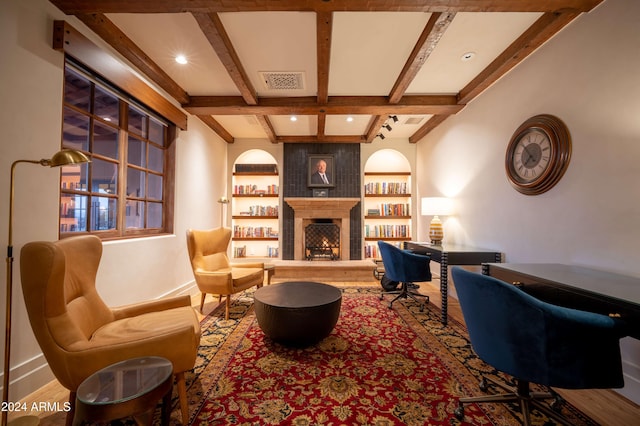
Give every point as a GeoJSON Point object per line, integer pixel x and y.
{"type": "Point", "coordinates": [589, 76]}
{"type": "Point", "coordinates": [31, 77]}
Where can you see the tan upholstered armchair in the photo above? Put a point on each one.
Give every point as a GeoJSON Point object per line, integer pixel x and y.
{"type": "Point", "coordinates": [79, 334]}
{"type": "Point", "coordinates": [213, 272]}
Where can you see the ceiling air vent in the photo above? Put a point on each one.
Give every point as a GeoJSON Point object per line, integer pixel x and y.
{"type": "Point", "coordinates": [414, 120]}
{"type": "Point", "coordinates": [283, 80]}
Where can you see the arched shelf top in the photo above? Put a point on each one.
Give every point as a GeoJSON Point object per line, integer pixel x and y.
{"type": "Point", "coordinates": [387, 161]}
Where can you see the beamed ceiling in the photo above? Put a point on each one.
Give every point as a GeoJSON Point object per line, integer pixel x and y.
{"type": "Point", "coordinates": [254, 64]}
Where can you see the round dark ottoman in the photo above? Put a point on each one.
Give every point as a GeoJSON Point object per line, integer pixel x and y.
{"type": "Point", "coordinates": [297, 313]}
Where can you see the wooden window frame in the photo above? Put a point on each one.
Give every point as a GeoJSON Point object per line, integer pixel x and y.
{"type": "Point", "coordinates": [168, 172]}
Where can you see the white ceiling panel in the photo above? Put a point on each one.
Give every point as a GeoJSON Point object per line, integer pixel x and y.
{"type": "Point", "coordinates": [485, 34]}
{"type": "Point", "coordinates": [336, 125]}
{"type": "Point", "coordinates": [163, 36]}
{"type": "Point", "coordinates": [275, 42]}
{"type": "Point", "coordinates": [369, 50]}
{"type": "Point", "coordinates": [241, 126]}
{"type": "Point", "coordinates": [305, 125]}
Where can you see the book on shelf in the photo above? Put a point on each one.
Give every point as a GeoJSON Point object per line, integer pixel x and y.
{"type": "Point", "coordinates": [240, 251]}
{"type": "Point", "coordinates": [256, 168]}
{"type": "Point", "coordinates": [385, 188]}
{"type": "Point", "coordinates": [254, 190]}
{"type": "Point", "coordinates": [387, 231]}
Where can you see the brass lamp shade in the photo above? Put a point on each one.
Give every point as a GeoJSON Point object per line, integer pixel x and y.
{"type": "Point", "coordinates": [67, 156]}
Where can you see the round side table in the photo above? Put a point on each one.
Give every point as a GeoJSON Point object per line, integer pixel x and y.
{"type": "Point", "coordinates": [128, 388]}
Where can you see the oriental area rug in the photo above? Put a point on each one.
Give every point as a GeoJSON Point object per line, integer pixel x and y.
{"type": "Point", "coordinates": [379, 366]}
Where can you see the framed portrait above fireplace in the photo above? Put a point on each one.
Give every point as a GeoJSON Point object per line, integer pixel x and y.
{"type": "Point", "coordinates": [320, 171]}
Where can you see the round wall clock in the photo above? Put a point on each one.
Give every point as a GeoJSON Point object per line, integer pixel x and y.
{"type": "Point", "coordinates": [538, 154]}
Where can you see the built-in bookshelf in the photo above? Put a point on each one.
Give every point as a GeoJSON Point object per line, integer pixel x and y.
{"type": "Point", "coordinates": [387, 209]}
{"type": "Point", "coordinates": [255, 211]}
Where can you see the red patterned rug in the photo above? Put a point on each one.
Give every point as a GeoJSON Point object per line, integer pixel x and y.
{"type": "Point", "coordinates": [379, 366]}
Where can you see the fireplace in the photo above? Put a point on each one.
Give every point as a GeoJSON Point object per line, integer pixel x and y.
{"type": "Point", "coordinates": [336, 211]}
{"type": "Point", "coordinates": [322, 240]}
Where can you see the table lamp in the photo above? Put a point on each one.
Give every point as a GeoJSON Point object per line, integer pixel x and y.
{"type": "Point", "coordinates": [436, 206]}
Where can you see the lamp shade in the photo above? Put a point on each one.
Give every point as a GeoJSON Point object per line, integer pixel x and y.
{"type": "Point", "coordinates": [67, 156]}
{"type": "Point", "coordinates": [436, 206]}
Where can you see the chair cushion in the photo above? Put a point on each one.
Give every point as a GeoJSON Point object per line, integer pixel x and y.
{"type": "Point", "coordinates": [167, 328]}
{"type": "Point", "coordinates": [246, 277]}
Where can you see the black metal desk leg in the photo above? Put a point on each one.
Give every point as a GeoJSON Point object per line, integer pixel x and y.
{"type": "Point", "coordinates": [444, 287]}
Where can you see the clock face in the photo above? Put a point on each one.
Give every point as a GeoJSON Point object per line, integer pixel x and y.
{"type": "Point", "coordinates": [538, 154]}
{"type": "Point", "coordinates": [532, 155]}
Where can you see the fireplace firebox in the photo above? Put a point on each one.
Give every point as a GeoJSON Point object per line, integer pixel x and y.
{"type": "Point", "coordinates": [322, 241]}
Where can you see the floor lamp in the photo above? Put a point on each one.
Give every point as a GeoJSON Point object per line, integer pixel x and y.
{"type": "Point", "coordinates": [60, 158]}
{"type": "Point", "coordinates": [223, 201]}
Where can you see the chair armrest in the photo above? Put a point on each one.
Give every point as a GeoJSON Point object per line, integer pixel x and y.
{"type": "Point", "coordinates": [248, 265]}
{"type": "Point", "coordinates": [151, 306]}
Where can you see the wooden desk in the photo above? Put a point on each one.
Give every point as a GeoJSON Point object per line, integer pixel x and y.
{"type": "Point", "coordinates": [576, 287]}
{"type": "Point", "coordinates": [449, 254]}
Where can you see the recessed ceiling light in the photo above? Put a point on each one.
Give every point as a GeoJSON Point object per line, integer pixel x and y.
{"type": "Point", "coordinates": [181, 59]}
{"type": "Point", "coordinates": [293, 118]}
{"type": "Point", "coordinates": [468, 56]}
{"type": "Point", "coordinates": [349, 119]}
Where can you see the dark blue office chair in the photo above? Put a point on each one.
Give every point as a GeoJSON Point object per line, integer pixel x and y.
{"type": "Point", "coordinates": [406, 268]}
{"type": "Point", "coordinates": [536, 342]}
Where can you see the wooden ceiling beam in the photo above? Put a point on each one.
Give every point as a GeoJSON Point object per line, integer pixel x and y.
{"type": "Point", "coordinates": [217, 127]}
{"type": "Point", "coordinates": [431, 35]}
{"type": "Point", "coordinates": [214, 31]}
{"type": "Point", "coordinates": [372, 105]}
{"type": "Point", "coordinates": [324, 23]}
{"type": "Point", "coordinates": [74, 7]}
{"type": "Point", "coordinates": [110, 33]}
{"type": "Point", "coordinates": [324, 139]}
{"type": "Point", "coordinates": [267, 127]}
{"type": "Point", "coordinates": [374, 127]}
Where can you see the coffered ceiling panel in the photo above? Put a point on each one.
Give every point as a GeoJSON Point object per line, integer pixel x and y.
{"type": "Point", "coordinates": [369, 49]}
{"type": "Point", "coordinates": [470, 44]}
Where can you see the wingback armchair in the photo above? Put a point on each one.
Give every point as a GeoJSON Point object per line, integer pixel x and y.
{"type": "Point", "coordinates": [79, 334]}
{"type": "Point", "coordinates": [213, 272]}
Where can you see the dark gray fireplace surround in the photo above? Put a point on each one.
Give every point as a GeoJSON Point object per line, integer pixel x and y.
{"type": "Point", "coordinates": [348, 184]}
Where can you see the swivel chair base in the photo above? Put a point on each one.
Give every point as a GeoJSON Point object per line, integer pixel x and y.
{"type": "Point", "coordinates": [406, 292]}
{"type": "Point", "coordinates": [522, 394]}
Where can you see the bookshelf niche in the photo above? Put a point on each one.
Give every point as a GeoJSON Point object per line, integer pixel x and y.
{"type": "Point", "coordinates": [255, 211]}
{"type": "Point", "coordinates": [387, 209]}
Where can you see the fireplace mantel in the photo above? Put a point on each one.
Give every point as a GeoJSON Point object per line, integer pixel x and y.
{"type": "Point", "coordinates": [322, 208]}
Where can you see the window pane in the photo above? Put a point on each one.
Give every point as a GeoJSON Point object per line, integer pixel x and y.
{"type": "Point", "coordinates": [105, 140]}
{"type": "Point", "coordinates": [104, 178]}
{"type": "Point", "coordinates": [155, 215]}
{"type": "Point", "coordinates": [136, 152]}
{"type": "Point", "coordinates": [75, 177]}
{"type": "Point", "coordinates": [155, 186]}
{"type": "Point", "coordinates": [77, 89]}
{"type": "Point", "coordinates": [106, 106]}
{"type": "Point", "coordinates": [73, 213]}
{"type": "Point", "coordinates": [75, 131]}
{"type": "Point", "coordinates": [156, 158]}
{"type": "Point", "coordinates": [156, 131]}
{"type": "Point", "coordinates": [137, 122]}
{"type": "Point", "coordinates": [135, 183]}
{"type": "Point", "coordinates": [135, 214]}
{"type": "Point", "coordinates": [103, 213]}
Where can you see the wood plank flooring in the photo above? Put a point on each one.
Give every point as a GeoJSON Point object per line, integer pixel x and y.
{"type": "Point", "coordinates": [604, 406]}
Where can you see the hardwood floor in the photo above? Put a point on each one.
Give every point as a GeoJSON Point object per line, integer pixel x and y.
{"type": "Point", "coordinates": [604, 406]}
